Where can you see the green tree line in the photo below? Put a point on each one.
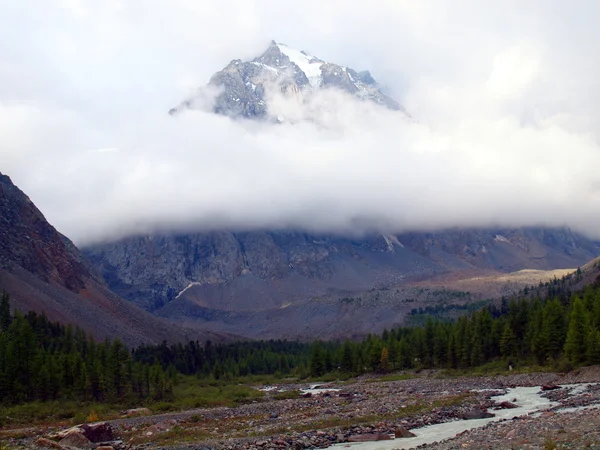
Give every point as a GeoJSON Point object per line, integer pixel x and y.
{"type": "Point", "coordinates": [44, 360]}
{"type": "Point", "coordinates": [563, 330]}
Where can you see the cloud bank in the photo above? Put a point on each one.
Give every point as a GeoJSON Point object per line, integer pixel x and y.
{"type": "Point", "coordinates": [504, 100]}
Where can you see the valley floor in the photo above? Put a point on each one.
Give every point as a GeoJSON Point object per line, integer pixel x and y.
{"type": "Point", "coordinates": [366, 408]}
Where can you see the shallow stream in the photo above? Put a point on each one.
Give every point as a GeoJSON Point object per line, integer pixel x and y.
{"type": "Point", "coordinates": [528, 400]}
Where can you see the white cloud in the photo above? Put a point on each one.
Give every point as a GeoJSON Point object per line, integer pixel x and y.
{"type": "Point", "coordinates": [505, 102]}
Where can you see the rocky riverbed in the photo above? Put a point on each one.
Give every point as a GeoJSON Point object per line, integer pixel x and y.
{"type": "Point", "coordinates": [370, 409]}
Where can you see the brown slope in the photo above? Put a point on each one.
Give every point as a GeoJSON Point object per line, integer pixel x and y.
{"type": "Point", "coordinates": [44, 271]}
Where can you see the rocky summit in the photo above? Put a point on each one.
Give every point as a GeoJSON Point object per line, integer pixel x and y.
{"type": "Point", "coordinates": [246, 88]}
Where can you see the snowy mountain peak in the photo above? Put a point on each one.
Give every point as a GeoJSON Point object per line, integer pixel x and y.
{"type": "Point", "coordinates": [244, 86]}
{"type": "Point", "coordinates": [310, 65]}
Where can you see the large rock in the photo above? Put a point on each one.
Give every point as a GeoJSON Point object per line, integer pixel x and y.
{"type": "Point", "coordinates": [402, 432]}
{"type": "Point", "coordinates": [98, 432]}
{"type": "Point", "coordinates": [477, 414]}
{"type": "Point", "coordinates": [368, 437]}
{"type": "Point", "coordinates": [93, 432]}
{"type": "Point", "coordinates": [48, 443]}
{"type": "Point", "coordinates": [506, 405]}
{"type": "Point", "coordinates": [76, 438]}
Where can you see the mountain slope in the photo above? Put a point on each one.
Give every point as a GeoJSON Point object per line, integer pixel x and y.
{"type": "Point", "coordinates": [262, 270]}
{"type": "Point", "coordinates": [245, 89]}
{"type": "Point", "coordinates": [284, 282]}
{"type": "Point", "coordinates": [43, 271]}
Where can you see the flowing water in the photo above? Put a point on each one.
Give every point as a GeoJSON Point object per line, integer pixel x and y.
{"type": "Point", "coordinates": [528, 400]}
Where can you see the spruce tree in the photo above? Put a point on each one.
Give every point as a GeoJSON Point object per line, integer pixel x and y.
{"type": "Point", "coordinates": [5, 317]}
{"type": "Point", "coordinates": [575, 345]}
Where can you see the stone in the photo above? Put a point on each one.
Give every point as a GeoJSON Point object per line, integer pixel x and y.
{"type": "Point", "coordinates": [48, 443]}
{"type": "Point", "coordinates": [477, 414]}
{"type": "Point", "coordinates": [76, 439]}
{"type": "Point", "coordinates": [402, 432]}
{"type": "Point", "coordinates": [98, 432]}
{"type": "Point", "coordinates": [105, 447]}
{"type": "Point", "coordinates": [550, 387]}
{"type": "Point", "coordinates": [369, 437]}
{"type": "Point", "coordinates": [506, 405]}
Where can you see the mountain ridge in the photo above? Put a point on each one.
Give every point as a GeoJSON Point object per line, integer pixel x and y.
{"type": "Point", "coordinates": [246, 86]}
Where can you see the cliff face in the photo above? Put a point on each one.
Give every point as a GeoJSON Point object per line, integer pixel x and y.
{"type": "Point", "coordinates": [28, 241]}
{"type": "Point", "coordinates": [43, 271]}
{"type": "Point", "coordinates": [260, 270]}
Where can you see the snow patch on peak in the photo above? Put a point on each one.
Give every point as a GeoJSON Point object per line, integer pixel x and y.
{"type": "Point", "coordinates": [308, 64]}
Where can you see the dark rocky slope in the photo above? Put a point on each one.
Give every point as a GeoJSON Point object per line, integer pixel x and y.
{"type": "Point", "coordinates": [43, 271]}
{"type": "Point", "coordinates": [292, 284]}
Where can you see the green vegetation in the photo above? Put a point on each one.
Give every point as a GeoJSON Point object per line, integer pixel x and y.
{"type": "Point", "coordinates": [41, 360]}
{"type": "Point", "coordinates": [559, 333]}
{"type": "Point", "coordinates": [48, 370]}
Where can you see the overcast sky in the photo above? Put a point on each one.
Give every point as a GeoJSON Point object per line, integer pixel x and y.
{"type": "Point", "coordinates": [505, 98]}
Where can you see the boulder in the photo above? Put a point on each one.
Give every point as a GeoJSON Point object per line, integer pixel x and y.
{"type": "Point", "coordinates": [98, 432]}
{"type": "Point", "coordinates": [48, 443]}
{"type": "Point", "coordinates": [550, 387]}
{"type": "Point", "coordinates": [76, 439]}
{"type": "Point", "coordinates": [506, 405]}
{"type": "Point", "coordinates": [368, 437]}
{"type": "Point", "coordinates": [402, 432]}
{"type": "Point", "coordinates": [477, 414]}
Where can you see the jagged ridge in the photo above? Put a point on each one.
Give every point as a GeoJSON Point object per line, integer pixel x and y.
{"type": "Point", "coordinates": [245, 84]}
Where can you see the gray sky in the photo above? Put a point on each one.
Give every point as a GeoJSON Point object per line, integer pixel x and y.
{"type": "Point", "coordinates": [505, 97]}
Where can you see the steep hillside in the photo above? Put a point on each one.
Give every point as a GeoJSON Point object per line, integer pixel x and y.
{"type": "Point", "coordinates": [43, 271]}
{"type": "Point", "coordinates": [274, 284]}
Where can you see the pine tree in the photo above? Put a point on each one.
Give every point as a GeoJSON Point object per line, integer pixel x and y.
{"type": "Point", "coordinates": [5, 317]}
{"type": "Point", "coordinates": [385, 359]}
{"type": "Point", "coordinates": [507, 342]}
{"type": "Point", "coordinates": [347, 360]}
{"type": "Point", "coordinates": [553, 327]}
{"type": "Point", "coordinates": [317, 360]}
{"type": "Point", "coordinates": [575, 345]}
{"type": "Point", "coordinates": [593, 346]}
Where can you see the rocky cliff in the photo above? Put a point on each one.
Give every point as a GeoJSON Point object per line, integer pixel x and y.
{"type": "Point", "coordinates": [262, 270]}
{"type": "Point", "coordinates": [43, 271]}
{"type": "Point", "coordinates": [245, 87]}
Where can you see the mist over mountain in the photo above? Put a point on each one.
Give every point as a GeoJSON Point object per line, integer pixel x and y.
{"type": "Point", "coordinates": [502, 132]}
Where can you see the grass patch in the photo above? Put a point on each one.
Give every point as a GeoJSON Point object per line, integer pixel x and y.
{"type": "Point", "coordinates": [189, 393]}
{"type": "Point", "coordinates": [177, 435]}
{"type": "Point", "coordinates": [493, 368]}
{"type": "Point", "coordinates": [287, 395]}
{"type": "Point", "coordinates": [56, 411]}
